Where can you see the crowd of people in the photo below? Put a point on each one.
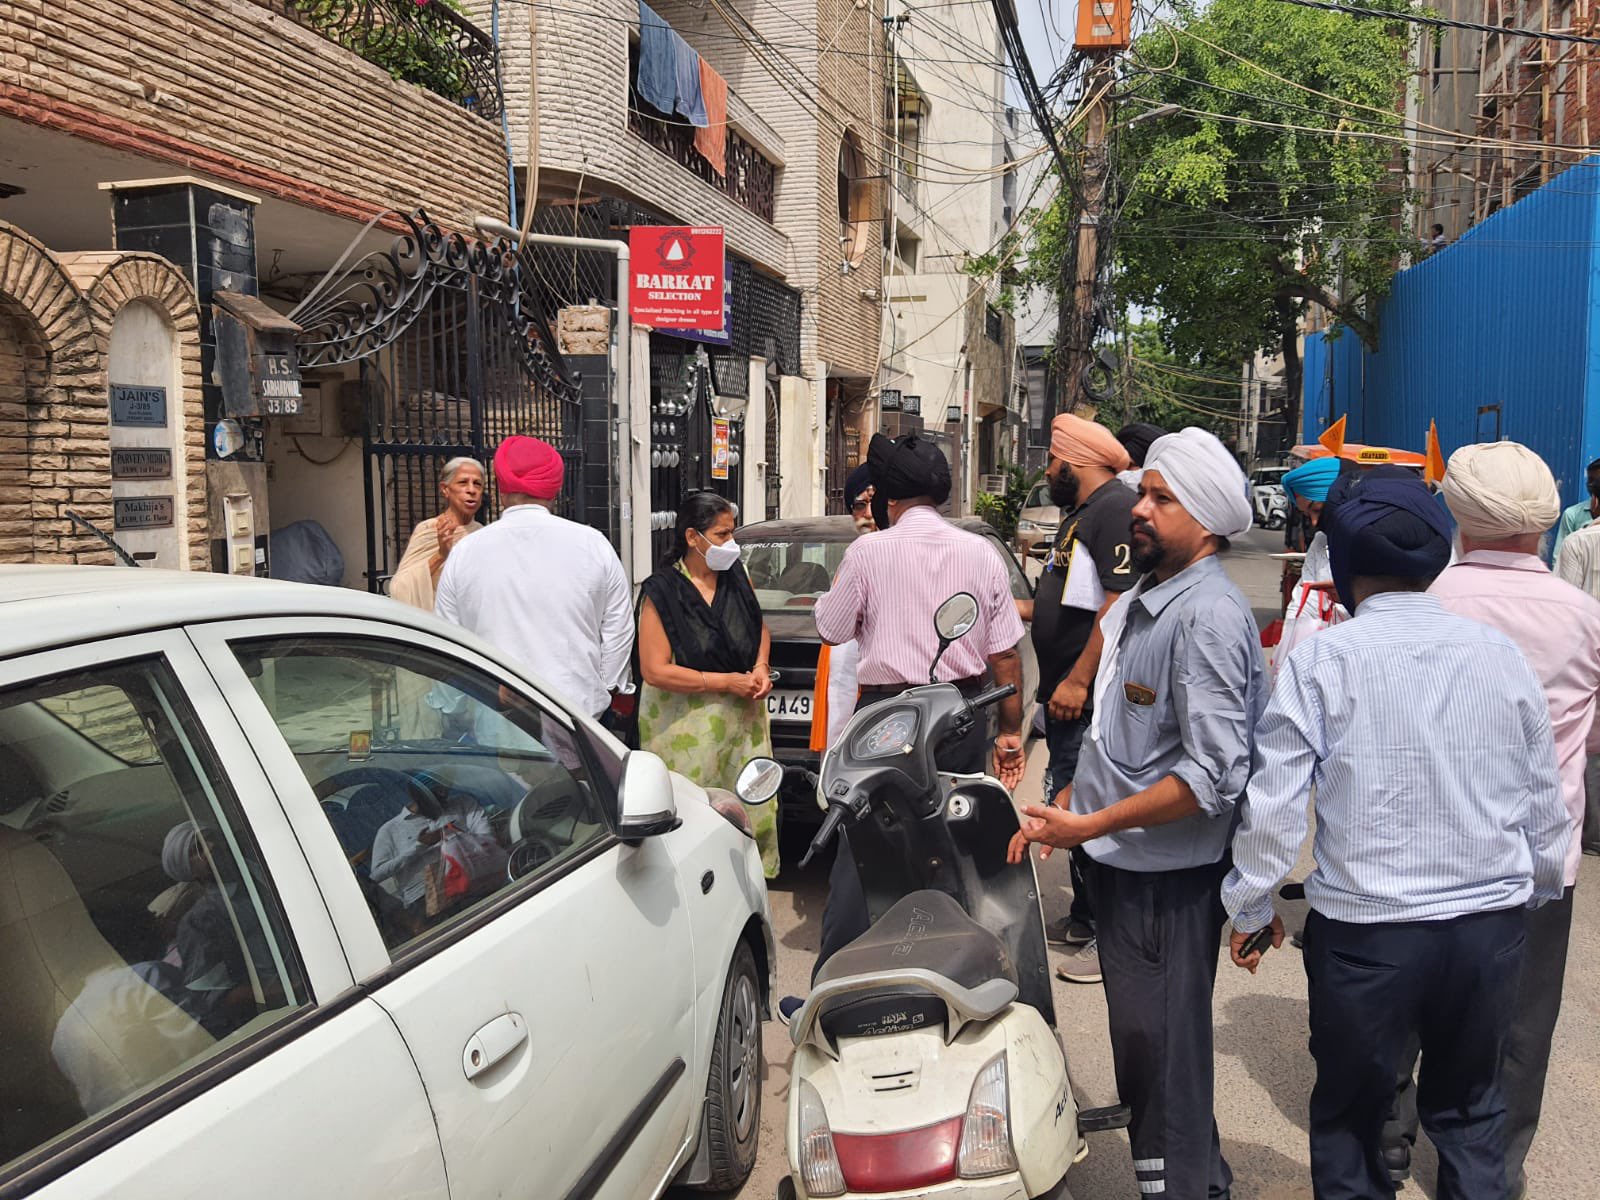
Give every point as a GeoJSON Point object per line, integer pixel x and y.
{"type": "Point", "coordinates": [1436, 718]}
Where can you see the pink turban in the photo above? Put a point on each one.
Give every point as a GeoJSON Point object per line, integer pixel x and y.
{"type": "Point", "coordinates": [1087, 444]}
{"type": "Point", "coordinates": [525, 466]}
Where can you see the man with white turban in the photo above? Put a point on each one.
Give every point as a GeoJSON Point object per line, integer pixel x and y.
{"type": "Point", "coordinates": [1504, 499]}
{"type": "Point", "coordinates": [1176, 698]}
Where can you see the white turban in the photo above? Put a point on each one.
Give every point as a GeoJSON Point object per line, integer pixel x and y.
{"type": "Point", "coordinates": [1205, 478]}
{"type": "Point", "coordinates": [1499, 490]}
{"type": "Point", "coordinates": [175, 851]}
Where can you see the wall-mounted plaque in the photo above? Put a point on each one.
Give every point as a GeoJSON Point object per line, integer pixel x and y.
{"type": "Point", "coordinates": [138, 405]}
{"type": "Point", "coordinates": [132, 462]}
{"type": "Point", "coordinates": [142, 512]}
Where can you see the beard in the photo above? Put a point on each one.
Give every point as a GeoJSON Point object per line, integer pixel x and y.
{"type": "Point", "coordinates": [865, 524]}
{"type": "Point", "coordinates": [1147, 550]}
{"type": "Point", "coordinates": [1064, 490]}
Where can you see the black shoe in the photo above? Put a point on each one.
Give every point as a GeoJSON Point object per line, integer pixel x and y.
{"type": "Point", "coordinates": [1069, 932]}
{"type": "Point", "coordinates": [788, 1007]}
{"type": "Point", "coordinates": [1397, 1159]}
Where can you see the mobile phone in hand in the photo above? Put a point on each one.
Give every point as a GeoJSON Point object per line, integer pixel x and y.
{"type": "Point", "coordinates": [1260, 940]}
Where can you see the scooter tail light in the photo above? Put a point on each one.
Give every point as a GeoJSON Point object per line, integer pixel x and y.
{"type": "Point", "coordinates": [899, 1161]}
{"type": "Point", "coordinates": [986, 1129]}
{"type": "Point", "coordinates": [819, 1161]}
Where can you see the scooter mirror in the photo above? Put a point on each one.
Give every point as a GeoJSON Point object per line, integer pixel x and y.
{"type": "Point", "coordinates": [758, 781]}
{"type": "Point", "coordinates": [956, 617]}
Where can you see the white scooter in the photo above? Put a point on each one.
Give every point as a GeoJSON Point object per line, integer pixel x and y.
{"type": "Point", "coordinates": [926, 1060]}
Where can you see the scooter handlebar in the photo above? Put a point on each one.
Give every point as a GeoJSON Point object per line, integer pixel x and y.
{"type": "Point", "coordinates": [993, 696]}
{"type": "Point", "coordinates": [830, 825]}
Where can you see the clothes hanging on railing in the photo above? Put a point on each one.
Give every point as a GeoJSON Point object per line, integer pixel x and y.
{"type": "Point", "coordinates": [658, 81]}
{"type": "Point", "coordinates": [712, 141]}
{"type": "Point", "coordinates": [689, 102]}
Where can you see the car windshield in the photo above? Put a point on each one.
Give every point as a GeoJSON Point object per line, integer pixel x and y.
{"type": "Point", "coordinates": [790, 575]}
{"type": "Point", "coordinates": [1039, 497]}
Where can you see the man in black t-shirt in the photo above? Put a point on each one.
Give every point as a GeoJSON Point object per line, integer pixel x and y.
{"type": "Point", "coordinates": [1089, 564]}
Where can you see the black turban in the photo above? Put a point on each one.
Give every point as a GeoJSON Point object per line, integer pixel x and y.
{"type": "Point", "coordinates": [1384, 522]}
{"type": "Point", "coordinates": [1136, 439]}
{"type": "Point", "coordinates": [908, 467]}
{"type": "Point", "coordinates": [858, 481]}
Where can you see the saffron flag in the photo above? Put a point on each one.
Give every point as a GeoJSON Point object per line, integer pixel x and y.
{"type": "Point", "coordinates": [1333, 438]}
{"type": "Point", "coordinates": [1433, 469]}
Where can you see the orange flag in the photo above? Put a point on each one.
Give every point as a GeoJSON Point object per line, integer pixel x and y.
{"type": "Point", "coordinates": [1333, 438]}
{"type": "Point", "coordinates": [1433, 470]}
{"type": "Point", "coordinates": [819, 702]}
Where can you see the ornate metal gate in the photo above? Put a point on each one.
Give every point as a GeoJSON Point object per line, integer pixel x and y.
{"type": "Point", "coordinates": [455, 355]}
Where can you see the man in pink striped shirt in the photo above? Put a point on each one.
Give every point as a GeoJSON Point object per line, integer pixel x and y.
{"type": "Point", "coordinates": [884, 597]}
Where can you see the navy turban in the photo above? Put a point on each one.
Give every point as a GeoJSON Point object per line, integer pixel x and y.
{"type": "Point", "coordinates": [908, 467]}
{"type": "Point", "coordinates": [1384, 522]}
{"type": "Point", "coordinates": [1137, 438]}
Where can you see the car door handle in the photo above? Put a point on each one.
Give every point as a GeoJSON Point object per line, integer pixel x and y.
{"type": "Point", "coordinates": [493, 1043]}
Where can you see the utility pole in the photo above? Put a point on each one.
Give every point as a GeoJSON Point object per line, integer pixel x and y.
{"type": "Point", "coordinates": [1076, 324]}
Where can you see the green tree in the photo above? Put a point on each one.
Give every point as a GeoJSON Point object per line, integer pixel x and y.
{"type": "Point", "coordinates": [1162, 388]}
{"type": "Point", "coordinates": [1259, 196]}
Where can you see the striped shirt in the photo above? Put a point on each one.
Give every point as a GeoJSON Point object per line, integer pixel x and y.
{"type": "Point", "coordinates": [1427, 738]}
{"type": "Point", "coordinates": [890, 584]}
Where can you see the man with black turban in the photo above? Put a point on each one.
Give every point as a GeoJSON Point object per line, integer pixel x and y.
{"type": "Point", "coordinates": [884, 596]}
{"type": "Point", "coordinates": [1439, 820]}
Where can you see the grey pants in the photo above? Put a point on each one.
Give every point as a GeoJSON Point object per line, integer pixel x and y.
{"type": "Point", "coordinates": [1160, 936]}
{"type": "Point", "coordinates": [1526, 1059]}
{"type": "Point", "coordinates": [1591, 805]}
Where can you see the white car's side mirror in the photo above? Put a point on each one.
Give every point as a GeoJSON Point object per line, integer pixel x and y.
{"type": "Point", "coordinates": [648, 808]}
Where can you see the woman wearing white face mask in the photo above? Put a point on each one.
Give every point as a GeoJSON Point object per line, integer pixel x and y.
{"type": "Point", "coordinates": [703, 648]}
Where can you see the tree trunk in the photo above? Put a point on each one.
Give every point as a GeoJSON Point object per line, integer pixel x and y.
{"type": "Point", "coordinates": [1289, 332]}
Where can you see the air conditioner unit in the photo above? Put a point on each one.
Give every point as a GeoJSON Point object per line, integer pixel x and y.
{"type": "Point", "coordinates": [994, 485]}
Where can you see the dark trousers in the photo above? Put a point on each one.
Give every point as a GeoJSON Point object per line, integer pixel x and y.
{"type": "Point", "coordinates": [1451, 983]}
{"type": "Point", "coordinates": [1526, 1060]}
{"type": "Point", "coordinates": [844, 913]}
{"type": "Point", "coordinates": [1160, 934]}
{"type": "Point", "coordinates": [1064, 740]}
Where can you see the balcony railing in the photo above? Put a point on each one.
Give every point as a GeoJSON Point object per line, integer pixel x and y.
{"type": "Point", "coordinates": [425, 42]}
{"type": "Point", "coordinates": [751, 181]}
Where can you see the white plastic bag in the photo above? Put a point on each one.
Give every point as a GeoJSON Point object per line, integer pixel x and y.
{"type": "Point", "coordinates": [473, 864]}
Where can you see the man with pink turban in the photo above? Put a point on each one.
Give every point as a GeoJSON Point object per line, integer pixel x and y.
{"type": "Point", "coordinates": [548, 593]}
{"type": "Point", "coordinates": [1089, 565]}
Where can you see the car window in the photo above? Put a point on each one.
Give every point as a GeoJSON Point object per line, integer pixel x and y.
{"type": "Point", "coordinates": [1039, 497]}
{"type": "Point", "coordinates": [139, 933]}
{"type": "Point", "coordinates": [1020, 588]}
{"type": "Point", "coordinates": [791, 574]}
{"type": "Point", "coordinates": [443, 786]}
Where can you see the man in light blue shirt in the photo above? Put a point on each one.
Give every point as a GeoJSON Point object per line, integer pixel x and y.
{"type": "Point", "coordinates": [1575, 516]}
{"type": "Point", "coordinates": [1176, 698]}
{"type": "Point", "coordinates": [1439, 818]}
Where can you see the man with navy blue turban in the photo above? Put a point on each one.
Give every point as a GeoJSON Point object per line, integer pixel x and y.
{"type": "Point", "coordinates": [1439, 821]}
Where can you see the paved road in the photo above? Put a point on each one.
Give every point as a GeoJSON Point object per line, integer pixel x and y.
{"type": "Point", "coordinates": [1264, 1072]}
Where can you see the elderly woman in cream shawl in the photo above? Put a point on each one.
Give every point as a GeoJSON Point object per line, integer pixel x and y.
{"type": "Point", "coordinates": [461, 484]}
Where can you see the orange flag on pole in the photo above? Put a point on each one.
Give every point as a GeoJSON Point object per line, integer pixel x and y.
{"type": "Point", "coordinates": [1433, 470]}
{"type": "Point", "coordinates": [1333, 438]}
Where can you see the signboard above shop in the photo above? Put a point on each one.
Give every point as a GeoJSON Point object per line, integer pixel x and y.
{"type": "Point", "coordinates": [678, 276]}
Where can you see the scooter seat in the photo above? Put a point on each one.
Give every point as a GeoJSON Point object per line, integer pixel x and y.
{"type": "Point", "coordinates": [928, 931]}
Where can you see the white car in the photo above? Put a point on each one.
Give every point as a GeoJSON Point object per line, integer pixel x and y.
{"type": "Point", "coordinates": [306, 894]}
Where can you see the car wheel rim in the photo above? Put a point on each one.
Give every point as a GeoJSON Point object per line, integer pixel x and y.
{"type": "Point", "coordinates": [744, 1058]}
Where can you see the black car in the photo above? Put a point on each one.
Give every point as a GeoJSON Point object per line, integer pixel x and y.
{"type": "Point", "coordinates": [791, 563]}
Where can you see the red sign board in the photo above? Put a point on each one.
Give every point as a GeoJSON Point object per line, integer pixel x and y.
{"type": "Point", "coordinates": [677, 276]}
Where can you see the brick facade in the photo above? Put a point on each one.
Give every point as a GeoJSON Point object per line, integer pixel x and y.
{"type": "Point", "coordinates": [237, 91]}
{"type": "Point", "coordinates": [56, 314]}
{"type": "Point", "coordinates": [584, 142]}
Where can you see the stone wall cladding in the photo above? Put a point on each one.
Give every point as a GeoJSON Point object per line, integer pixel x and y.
{"type": "Point", "coordinates": [113, 279]}
{"type": "Point", "coordinates": [56, 314]}
{"type": "Point", "coordinates": [583, 115]}
{"type": "Point", "coordinates": [236, 90]}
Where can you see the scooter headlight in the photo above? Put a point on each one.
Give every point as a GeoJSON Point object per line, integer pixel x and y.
{"type": "Point", "coordinates": [819, 1161]}
{"type": "Point", "coordinates": [986, 1129]}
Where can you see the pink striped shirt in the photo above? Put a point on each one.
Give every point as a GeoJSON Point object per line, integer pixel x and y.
{"type": "Point", "coordinates": [889, 586]}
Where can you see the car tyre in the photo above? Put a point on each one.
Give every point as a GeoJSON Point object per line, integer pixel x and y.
{"type": "Point", "coordinates": [733, 1089]}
